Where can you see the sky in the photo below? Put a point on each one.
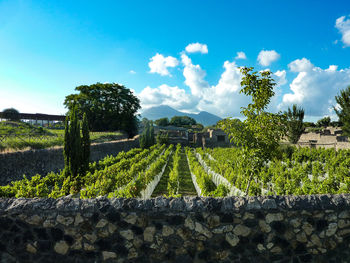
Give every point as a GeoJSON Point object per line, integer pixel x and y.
{"type": "Point", "coordinates": [185, 54]}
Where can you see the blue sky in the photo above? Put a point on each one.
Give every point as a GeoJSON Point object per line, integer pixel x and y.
{"type": "Point", "coordinates": [47, 48]}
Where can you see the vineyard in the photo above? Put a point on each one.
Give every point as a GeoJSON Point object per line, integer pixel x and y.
{"type": "Point", "coordinates": [175, 171]}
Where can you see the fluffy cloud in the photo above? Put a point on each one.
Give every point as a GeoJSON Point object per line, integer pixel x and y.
{"type": "Point", "coordinates": [194, 76]}
{"type": "Point", "coordinates": [197, 47]}
{"type": "Point", "coordinates": [314, 88]}
{"type": "Point", "coordinates": [300, 65]}
{"type": "Point", "coordinates": [241, 55]}
{"type": "Point", "coordinates": [280, 77]}
{"type": "Point", "coordinates": [167, 95]}
{"type": "Point", "coordinates": [160, 64]}
{"type": "Point", "coordinates": [343, 25]}
{"type": "Point", "coordinates": [266, 57]}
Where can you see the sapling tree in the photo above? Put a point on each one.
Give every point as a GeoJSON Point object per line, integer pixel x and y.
{"type": "Point", "coordinates": [261, 131]}
{"type": "Point", "coordinates": [295, 126]}
{"type": "Point", "coordinates": [343, 109]}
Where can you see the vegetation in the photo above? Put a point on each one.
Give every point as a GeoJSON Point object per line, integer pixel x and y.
{"type": "Point", "coordinates": [182, 121]}
{"type": "Point", "coordinates": [109, 107]}
{"type": "Point", "coordinates": [295, 126]}
{"type": "Point", "coordinates": [147, 136]}
{"type": "Point", "coordinates": [162, 122]}
{"type": "Point", "coordinates": [11, 114]}
{"type": "Point", "coordinates": [343, 112]}
{"type": "Point", "coordinates": [324, 122]}
{"type": "Point", "coordinates": [260, 133]}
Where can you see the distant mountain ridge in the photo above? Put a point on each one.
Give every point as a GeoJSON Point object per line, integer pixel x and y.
{"type": "Point", "coordinates": [164, 111]}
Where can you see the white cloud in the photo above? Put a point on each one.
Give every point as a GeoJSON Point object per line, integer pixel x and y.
{"type": "Point", "coordinates": [160, 64]}
{"type": "Point", "coordinates": [300, 65]}
{"type": "Point", "coordinates": [343, 25]}
{"type": "Point", "coordinates": [266, 57]}
{"type": "Point", "coordinates": [280, 77]}
{"type": "Point", "coordinates": [241, 55]}
{"type": "Point", "coordinates": [197, 47]}
{"type": "Point", "coordinates": [132, 72]}
{"type": "Point", "coordinates": [194, 76]}
{"type": "Point", "coordinates": [167, 95]}
{"type": "Point", "coordinates": [314, 88]}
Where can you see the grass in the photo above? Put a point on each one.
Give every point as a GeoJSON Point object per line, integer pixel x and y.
{"type": "Point", "coordinates": [16, 136]}
{"type": "Point", "coordinates": [162, 187]}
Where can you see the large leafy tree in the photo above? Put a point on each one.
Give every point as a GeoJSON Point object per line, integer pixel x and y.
{"type": "Point", "coordinates": [260, 132]}
{"type": "Point", "coordinates": [182, 121]}
{"type": "Point", "coordinates": [295, 126]}
{"type": "Point", "coordinates": [11, 114]}
{"type": "Point", "coordinates": [108, 107]}
{"type": "Point", "coordinates": [343, 111]}
{"type": "Point", "coordinates": [324, 122]}
{"type": "Point", "coordinates": [162, 122]}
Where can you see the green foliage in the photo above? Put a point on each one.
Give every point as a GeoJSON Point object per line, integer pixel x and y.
{"type": "Point", "coordinates": [76, 152]}
{"type": "Point", "coordinates": [295, 126]}
{"type": "Point", "coordinates": [109, 107]}
{"type": "Point", "coordinates": [147, 136]}
{"type": "Point", "coordinates": [162, 122]}
{"type": "Point", "coordinates": [182, 121]}
{"type": "Point", "coordinates": [343, 112]}
{"type": "Point", "coordinates": [162, 138]}
{"type": "Point", "coordinates": [174, 175]}
{"type": "Point", "coordinates": [324, 122]}
{"type": "Point", "coordinates": [259, 134]}
{"type": "Point", "coordinates": [11, 114]}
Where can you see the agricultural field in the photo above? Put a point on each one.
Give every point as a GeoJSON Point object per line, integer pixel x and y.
{"type": "Point", "coordinates": [16, 136]}
{"type": "Point", "coordinates": [176, 171]}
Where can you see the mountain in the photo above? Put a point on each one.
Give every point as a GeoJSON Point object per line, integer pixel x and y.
{"type": "Point", "coordinates": [164, 111]}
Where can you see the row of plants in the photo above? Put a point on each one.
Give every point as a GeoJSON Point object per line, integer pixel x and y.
{"type": "Point", "coordinates": [304, 171]}
{"type": "Point", "coordinates": [144, 178]}
{"type": "Point", "coordinates": [204, 180]}
{"type": "Point", "coordinates": [174, 175]}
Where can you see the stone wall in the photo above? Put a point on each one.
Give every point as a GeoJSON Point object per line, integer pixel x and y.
{"type": "Point", "coordinates": [14, 164]}
{"type": "Point", "coordinates": [263, 229]}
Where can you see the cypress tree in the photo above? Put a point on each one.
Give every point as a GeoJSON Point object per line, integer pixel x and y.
{"type": "Point", "coordinates": [66, 147]}
{"type": "Point", "coordinates": [75, 143]}
{"type": "Point", "coordinates": [85, 145]}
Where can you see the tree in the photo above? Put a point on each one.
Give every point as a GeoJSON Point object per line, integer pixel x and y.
{"type": "Point", "coordinates": [182, 121]}
{"type": "Point", "coordinates": [76, 151]}
{"type": "Point", "coordinates": [162, 122]}
{"type": "Point", "coordinates": [11, 114]}
{"type": "Point", "coordinates": [259, 134]}
{"type": "Point", "coordinates": [295, 126]}
{"type": "Point", "coordinates": [343, 111]}
{"type": "Point", "coordinates": [324, 122]}
{"type": "Point", "coordinates": [147, 136]}
{"type": "Point", "coordinates": [109, 107]}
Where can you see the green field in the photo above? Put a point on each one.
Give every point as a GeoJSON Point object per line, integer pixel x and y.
{"type": "Point", "coordinates": [177, 171]}
{"type": "Point", "coordinates": [19, 135]}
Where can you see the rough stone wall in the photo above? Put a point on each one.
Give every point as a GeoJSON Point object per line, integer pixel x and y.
{"type": "Point", "coordinates": [262, 229]}
{"type": "Point", "coordinates": [13, 165]}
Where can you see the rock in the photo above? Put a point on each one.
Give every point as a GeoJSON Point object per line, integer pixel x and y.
{"type": "Point", "coordinates": [189, 223]}
{"type": "Point", "coordinates": [111, 228]}
{"type": "Point", "coordinates": [332, 228]}
{"type": "Point", "coordinates": [131, 219]}
{"type": "Point", "coordinates": [213, 221]}
{"type": "Point", "coordinates": [78, 219]}
{"type": "Point", "coordinates": [269, 204]}
{"type": "Point", "coordinates": [65, 220]}
{"type": "Point", "coordinates": [316, 240]}
{"type": "Point", "coordinates": [77, 245]}
{"type": "Point", "coordinates": [149, 233]}
{"type": "Point", "coordinates": [344, 232]}
{"type": "Point", "coordinates": [269, 245]}
{"type": "Point", "coordinates": [202, 230]}
{"type": "Point", "coordinates": [132, 253]}
{"type": "Point", "coordinates": [167, 231]}
{"type": "Point", "coordinates": [108, 255]}
{"type": "Point", "coordinates": [307, 228]}
{"type": "Point", "coordinates": [261, 247]}
{"type": "Point", "coordinates": [31, 249]}
{"type": "Point", "coordinates": [241, 230]}
{"type": "Point", "coordinates": [49, 223]}
{"type": "Point", "coordinates": [253, 205]}
{"type": "Point", "coordinates": [103, 233]}
{"type": "Point", "coordinates": [137, 242]}
{"type": "Point", "coordinates": [276, 250]}
{"type": "Point", "coordinates": [264, 227]}
{"type": "Point", "coordinates": [127, 234]}
{"type": "Point", "coordinates": [248, 216]}
{"type": "Point", "coordinates": [102, 223]}
{"type": "Point", "coordinates": [296, 222]}
{"type": "Point", "coordinates": [271, 217]}
{"type": "Point", "coordinates": [34, 220]}
{"type": "Point", "coordinates": [232, 239]}
{"type": "Point", "coordinates": [301, 237]}
{"type": "Point", "coordinates": [343, 223]}
{"type": "Point", "coordinates": [91, 237]}
{"type": "Point", "coordinates": [61, 247]}
{"type": "Point", "coordinates": [344, 215]}
{"type": "Point", "coordinates": [88, 247]}
{"type": "Point", "coordinates": [223, 229]}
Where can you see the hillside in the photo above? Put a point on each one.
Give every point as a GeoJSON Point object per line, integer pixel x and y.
{"type": "Point", "coordinates": [163, 111]}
